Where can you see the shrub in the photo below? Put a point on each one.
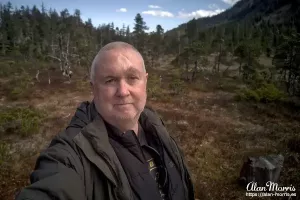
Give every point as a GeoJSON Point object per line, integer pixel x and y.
{"type": "Point", "coordinates": [7, 68]}
{"type": "Point", "coordinates": [154, 89]}
{"type": "Point", "coordinates": [82, 85]}
{"type": "Point", "coordinates": [20, 121]}
{"type": "Point", "coordinates": [176, 73]}
{"type": "Point", "coordinates": [265, 93]}
{"type": "Point", "coordinates": [294, 144]}
{"type": "Point", "coordinates": [166, 99]}
{"type": "Point", "coordinates": [269, 92]}
{"type": "Point", "coordinates": [19, 87]}
{"type": "Point", "coordinates": [177, 87]}
{"type": "Point", "coordinates": [4, 152]}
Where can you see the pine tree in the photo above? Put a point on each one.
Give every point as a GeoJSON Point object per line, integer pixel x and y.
{"type": "Point", "coordinates": [139, 33]}
{"type": "Point", "coordinates": [287, 61]}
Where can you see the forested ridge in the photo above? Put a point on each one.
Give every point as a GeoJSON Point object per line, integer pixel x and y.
{"type": "Point", "coordinates": [245, 32]}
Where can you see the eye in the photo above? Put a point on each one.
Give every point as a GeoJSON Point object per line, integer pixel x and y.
{"type": "Point", "coordinates": [133, 77]}
{"type": "Point", "coordinates": [109, 81]}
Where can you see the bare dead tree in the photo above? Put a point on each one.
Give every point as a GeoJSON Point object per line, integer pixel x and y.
{"type": "Point", "coordinates": [37, 75]}
{"type": "Point", "coordinates": [160, 80]}
{"type": "Point", "coordinates": [64, 55]}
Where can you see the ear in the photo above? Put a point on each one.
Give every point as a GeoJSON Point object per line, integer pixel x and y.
{"type": "Point", "coordinates": [146, 77]}
{"type": "Point", "coordinates": [92, 85]}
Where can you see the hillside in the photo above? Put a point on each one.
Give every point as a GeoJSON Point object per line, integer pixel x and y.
{"type": "Point", "coordinates": [274, 11]}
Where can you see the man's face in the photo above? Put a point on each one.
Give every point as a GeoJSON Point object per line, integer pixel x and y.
{"type": "Point", "coordinates": [120, 86]}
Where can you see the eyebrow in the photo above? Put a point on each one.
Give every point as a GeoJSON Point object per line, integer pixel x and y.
{"type": "Point", "coordinates": [133, 70]}
{"type": "Point", "coordinates": [130, 70]}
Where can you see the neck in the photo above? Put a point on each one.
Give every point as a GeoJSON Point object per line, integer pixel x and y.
{"type": "Point", "coordinates": [125, 126]}
{"type": "Point", "coordinates": [134, 128]}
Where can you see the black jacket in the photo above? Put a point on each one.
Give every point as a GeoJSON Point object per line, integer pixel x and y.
{"type": "Point", "coordinates": [80, 162]}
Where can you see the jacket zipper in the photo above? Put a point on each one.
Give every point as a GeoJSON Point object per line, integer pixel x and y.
{"type": "Point", "coordinates": [112, 169]}
{"type": "Point", "coordinates": [139, 144]}
{"type": "Point", "coordinates": [185, 171]}
{"type": "Point", "coordinates": [164, 165]}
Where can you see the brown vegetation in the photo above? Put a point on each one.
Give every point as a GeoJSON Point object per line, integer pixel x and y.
{"type": "Point", "coordinates": [215, 131]}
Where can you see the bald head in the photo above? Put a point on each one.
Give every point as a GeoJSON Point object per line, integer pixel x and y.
{"type": "Point", "coordinates": [113, 47]}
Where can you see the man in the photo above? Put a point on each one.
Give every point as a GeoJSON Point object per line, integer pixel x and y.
{"type": "Point", "coordinates": [114, 147]}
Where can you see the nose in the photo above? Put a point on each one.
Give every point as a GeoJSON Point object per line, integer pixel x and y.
{"type": "Point", "coordinates": [122, 89]}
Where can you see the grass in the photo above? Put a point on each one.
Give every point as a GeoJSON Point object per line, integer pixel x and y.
{"type": "Point", "coordinates": [215, 131]}
{"type": "Point", "coordinates": [178, 87]}
{"type": "Point", "coordinates": [18, 87]}
{"type": "Point", "coordinates": [220, 133]}
{"type": "Point", "coordinates": [20, 121]}
{"type": "Point", "coordinates": [154, 89]}
{"type": "Point", "coordinates": [82, 85]}
{"type": "Point", "coordinates": [4, 152]}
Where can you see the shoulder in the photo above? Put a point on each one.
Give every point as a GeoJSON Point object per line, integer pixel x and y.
{"type": "Point", "coordinates": [152, 116]}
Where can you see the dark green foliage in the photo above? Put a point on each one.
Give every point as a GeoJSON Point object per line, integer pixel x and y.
{"type": "Point", "coordinates": [31, 33]}
{"type": "Point", "coordinates": [20, 121]}
{"type": "Point", "coordinates": [139, 33]}
{"type": "Point", "coordinates": [154, 89]}
{"type": "Point", "coordinates": [155, 46]}
{"type": "Point", "coordinates": [19, 87]}
{"type": "Point", "coordinates": [255, 11]}
{"type": "Point", "coordinates": [4, 152]}
{"type": "Point", "coordinates": [242, 33]}
{"type": "Point", "coordinates": [294, 144]}
{"type": "Point", "coordinates": [178, 87]}
{"type": "Point", "coordinates": [287, 61]}
{"type": "Point", "coordinates": [265, 93]}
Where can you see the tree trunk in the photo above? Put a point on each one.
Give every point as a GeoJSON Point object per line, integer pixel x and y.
{"type": "Point", "coordinates": [152, 59]}
{"type": "Point", "coordinates": [290, 71]}
{"type": "Point", "coordinates": [225, 71]}
{"type": "Point", "coordinates": [219, 58]}
{"type": "Point", "coordinates": [179, 55]}
{"type": "Point", "coordinates": [195, 70]}
{"type": "Point", "coordinates": [240, 68]}
{"type": "Point", "coordinates": [187, 70]}
{"type": "Point", "coordinates": [49, 79]}
{"type": "Point", "coordinates": [37, 75]}
{"type": "Point", "coordinates": [293, 85]}
{"type": "Point", "coordinates": [215, 65]}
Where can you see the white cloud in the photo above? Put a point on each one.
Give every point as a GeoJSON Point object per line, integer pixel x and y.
{"type": "Point", "coordinates": [158, 13]}
{"type": "Point", "coordinates": [199, 13]}
{"type": "Point", "coordinates": [122, 10]}
{"type": "Point", "coordinates": [230, 2]}
{"type": "Point", "coordinates": [154, 6]}
{"type": "Point", "coordinates": [213, 6]}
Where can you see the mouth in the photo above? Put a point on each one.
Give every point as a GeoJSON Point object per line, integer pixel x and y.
{"type": "Point", "coordinates": [122, 104]}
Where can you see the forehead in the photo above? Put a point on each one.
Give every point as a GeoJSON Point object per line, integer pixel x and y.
{"type": "Point", "coordinates": [119, 61]}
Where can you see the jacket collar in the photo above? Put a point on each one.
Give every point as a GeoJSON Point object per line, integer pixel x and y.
{"type": "Point", "coordinates": [94, 142]}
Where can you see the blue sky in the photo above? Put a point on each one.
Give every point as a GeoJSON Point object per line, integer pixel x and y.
{"type": "Point", "coordinates": [168, 13]}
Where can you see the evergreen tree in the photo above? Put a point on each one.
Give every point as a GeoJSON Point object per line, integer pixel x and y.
{"type": "Point", "coordinates": [139, 34]}
{"type": "Point", "coordinates": [287, 61]}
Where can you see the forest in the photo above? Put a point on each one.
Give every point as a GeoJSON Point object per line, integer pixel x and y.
{"type": "Point", "coordinates": [227, 86]}
{"type": "Point", "coordinates": [36, 34]}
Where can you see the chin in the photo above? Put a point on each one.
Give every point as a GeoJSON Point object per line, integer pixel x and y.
{"type": "Point", "coordinates": [125, 116]}
{"type": "Point", "coordinates": [131, 115]}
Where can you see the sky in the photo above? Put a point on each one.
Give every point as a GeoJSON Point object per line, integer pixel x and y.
{"type": "Point", "coordinates": [168, 13]}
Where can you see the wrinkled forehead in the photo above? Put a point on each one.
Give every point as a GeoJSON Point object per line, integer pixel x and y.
{"type": "Point", "coordinates": [118, 61]}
